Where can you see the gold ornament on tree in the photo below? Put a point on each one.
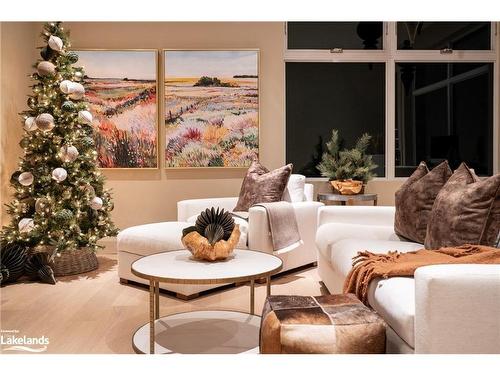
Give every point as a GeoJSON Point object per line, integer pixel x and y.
{"type": "Point", "coordinates": [46, 68]}
{"type": "Point", "coordinates": [42, 205]}
{"type": "Point", "coordinates": [45, 122]}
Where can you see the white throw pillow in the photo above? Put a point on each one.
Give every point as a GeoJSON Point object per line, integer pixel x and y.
{"type": "Point", "coordinates": [294, 191]}
{"type": "Point", "coordinates": [242, 243]}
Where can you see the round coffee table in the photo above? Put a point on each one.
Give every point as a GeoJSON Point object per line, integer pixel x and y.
{"type": "Point", "coordinates": [226, 331]}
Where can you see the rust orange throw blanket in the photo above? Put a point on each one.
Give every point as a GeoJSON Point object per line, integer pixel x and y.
{"type": "Point", "coordinates": [368, 266]}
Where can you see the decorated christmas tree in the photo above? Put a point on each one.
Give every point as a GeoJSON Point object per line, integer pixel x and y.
{"type": "Point", "coordinates": [60, 204]}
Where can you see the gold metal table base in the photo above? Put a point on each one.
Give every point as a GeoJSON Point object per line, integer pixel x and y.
{"type": "Point", "coordinates": [154, 306]}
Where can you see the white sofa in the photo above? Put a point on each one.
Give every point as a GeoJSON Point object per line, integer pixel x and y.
{"type": "Point", "coordinates": [443, 309]}
{"type": "Point", "coordinates": [138, 241]}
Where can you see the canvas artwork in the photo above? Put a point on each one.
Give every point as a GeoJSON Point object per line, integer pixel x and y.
{"type": "Point", "coordinates": [211, 108]}
{"type": "Point", "coordinates": [121, 91]}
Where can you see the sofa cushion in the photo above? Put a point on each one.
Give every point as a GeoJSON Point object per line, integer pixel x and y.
{"type": "Point", "coordinates": [344, 250]}
{"type": "Point", "coordinates": [466, 211]}
{"type": "Point", "coordinates": [393, 298]}
{"type": "Point", "coordinates": [242, 243]}
{"type": "Point", "coordinates": [294, 191]}
{"type": "Point", "coordinates": [414, 200]}
{"type": "Point", "coordinates": [152, 238]}
{"type": "Point", "coordinates": [330, 233]}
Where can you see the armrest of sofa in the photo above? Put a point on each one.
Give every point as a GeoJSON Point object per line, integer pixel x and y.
{"type": "Point", "coordinates": [258, 225]}
{"type": "Point", "coordinates": [190, 207]}
{"type": "Point", "coordinates": [457, 309]}
{"type": "Point", "coordinates": [309, 192]}
{"type": "Point", "coordinates": [358, 215]}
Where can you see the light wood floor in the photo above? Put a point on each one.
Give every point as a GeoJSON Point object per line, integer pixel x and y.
{"type": "Point", "coordinates": [94, 313]}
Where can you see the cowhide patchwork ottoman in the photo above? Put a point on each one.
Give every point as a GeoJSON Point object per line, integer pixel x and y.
{"type": "Point", "coordinates": [327, 324]}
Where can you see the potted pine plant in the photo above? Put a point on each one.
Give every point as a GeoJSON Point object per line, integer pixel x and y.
{"type": "Point", "coordinates": [348, 170]}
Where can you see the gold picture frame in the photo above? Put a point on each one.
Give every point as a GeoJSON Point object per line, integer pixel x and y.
{"type": "Point", "coordinates": [163, 113]}
{"type": "Point", "coordinates": [158, 94]}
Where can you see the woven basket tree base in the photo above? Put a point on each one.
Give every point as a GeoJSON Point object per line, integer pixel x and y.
{"type": "Point", "coordinates": [75, 261]}
{"type": "Point", "coordinates": [72, 261]}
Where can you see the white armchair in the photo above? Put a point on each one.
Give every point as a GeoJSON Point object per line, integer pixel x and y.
{"type": "Point", "coordinates": [257, 229]}
{"type": "Point", "coordinates": [443, 309]}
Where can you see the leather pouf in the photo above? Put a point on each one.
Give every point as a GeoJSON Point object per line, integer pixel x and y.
{"type": "Point", "coordinates": [320, 325]}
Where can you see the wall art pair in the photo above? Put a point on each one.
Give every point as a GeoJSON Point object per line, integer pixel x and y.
{"type": "Point", "coordinates": [209, 113]}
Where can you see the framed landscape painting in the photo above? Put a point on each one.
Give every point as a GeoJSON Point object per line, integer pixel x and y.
{"type": "Point", "coordinates": [211, 108]}
{"type": "Point", "coordinates": [121, 91]}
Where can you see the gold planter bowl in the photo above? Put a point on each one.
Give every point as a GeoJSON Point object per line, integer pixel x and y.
{"type": "Point", "coordinates": [347, 187]}
{"type": "Point", "coordinates": [203, 250]}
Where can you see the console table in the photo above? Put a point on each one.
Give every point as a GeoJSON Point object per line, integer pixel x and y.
{"type": "Point", "coordinates": [347, 199]}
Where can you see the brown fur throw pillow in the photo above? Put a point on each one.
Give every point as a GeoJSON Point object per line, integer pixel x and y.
{"type": "Point", "coordinates": [466, 211]}
{"type": "Point", "coordinates": [414, 200]}
{"type": "Point", "coordinates": [262, 186]}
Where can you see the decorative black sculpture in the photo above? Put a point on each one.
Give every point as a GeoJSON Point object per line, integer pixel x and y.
{"type": "Point", "coordinates": [215, 225]}
{"type": "Point", "coordinates": [12, 259]}
{"type": "Point", "coordinates": [37, 266]}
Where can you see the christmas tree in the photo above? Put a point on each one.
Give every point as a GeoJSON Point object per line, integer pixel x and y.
{"type": "Point", "coordinates": [60, 201]}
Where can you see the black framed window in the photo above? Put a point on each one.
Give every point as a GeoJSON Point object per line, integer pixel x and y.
{"type": "Point", "coordinates": [440, 35]}
{"type": "Point", "coordinates": [321, 96]}
{"type": "Point", "coordinates": [444, 111]}
{"type": "Point", "coordinates": [329, 35]}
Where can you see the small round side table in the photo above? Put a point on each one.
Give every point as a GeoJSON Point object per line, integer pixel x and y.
{"type": "Point", "coordinates": [347, 199]}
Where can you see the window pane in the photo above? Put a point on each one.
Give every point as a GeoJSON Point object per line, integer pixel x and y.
{"type": "Point", "coordinates": [439, 35]}
{"type": "Point", "coordinates": [444, 111]}
{"type": "Point", "coordinates": [328, 35]}
{"type": "Point", "coordinates": [349, 97]}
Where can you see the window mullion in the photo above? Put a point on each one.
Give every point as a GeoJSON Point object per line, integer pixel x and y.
{"type": "Point", "coordinates": [390, 100]}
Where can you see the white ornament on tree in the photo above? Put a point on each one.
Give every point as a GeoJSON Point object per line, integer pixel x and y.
{"type": "Point", "coordinates": [96, 203]}
{"type": "Point", "coordinates": [56, 43]}
{"type": "Point", "coordinates": [65, 86]}
{"type": "Point", "coordinates": [77, 91]}
{"type": "Point", "coordinates": [45, 122]}
{"type": "Point", "coordinates": [30, 124]}
{"type": "Point", "coordinates": [68, 153]}
{"type": "Point", "coordinates": [45, 68]}
{"type": "Point", "coordinates": [85, 117]}
{"type": "Point", "coordinates": [59, 174]}
{"type": "Point", "coordinates": [26, 178]}
{"type": "Point", "coordinates": [26, 225]}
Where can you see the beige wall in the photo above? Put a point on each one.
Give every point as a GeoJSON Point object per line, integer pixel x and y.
{"type": "Point", "coordinates": [17, 54]}
{"type": "Point", "coordinates": [143, 196]}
